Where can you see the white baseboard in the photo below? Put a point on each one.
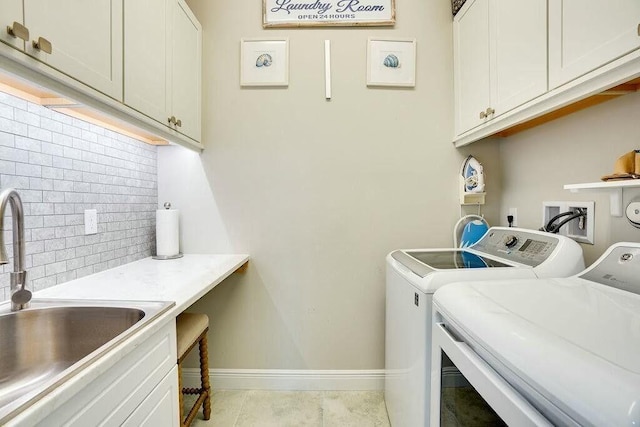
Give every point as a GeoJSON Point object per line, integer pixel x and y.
{"type": "Point", "coordinates": [278, 379]}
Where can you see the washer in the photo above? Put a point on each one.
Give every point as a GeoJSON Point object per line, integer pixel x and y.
{"type": "Point", "coordinates": [543, 351]}
{"type": "Point", "coordinates": [414, 275]}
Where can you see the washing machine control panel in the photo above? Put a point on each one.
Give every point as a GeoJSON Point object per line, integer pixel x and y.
{"type": "Point", "coordinates": [618, 268]}
{"type": "Point", "coordinates": [517, 245]}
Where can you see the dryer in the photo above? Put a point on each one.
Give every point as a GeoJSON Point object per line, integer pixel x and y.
{"type": "Point", "coordinates": [412, 276]}
{"type": "Point", "coordinates": [543, 352]}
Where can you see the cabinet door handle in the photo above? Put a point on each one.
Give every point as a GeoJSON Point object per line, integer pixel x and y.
{"type": "Point", "coordinates": [483, 115]}
{"type": "Point", "coordinates": [18, 30]}
{"type": "Point", "coordinates": [639, 29]}
{"type": "Point", "coordinates": [43, 45]}
{"type": "Point", "coordinates": [179, 123]}
{"type": "Point", "coordinates": [172, 120]}
{"type": "Point", "coordinates": [489, 111]}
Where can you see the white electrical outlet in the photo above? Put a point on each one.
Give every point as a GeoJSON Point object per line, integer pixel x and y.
{"type": "Point", "coordinates": [579, 229]}
{"type": "Point", "coordinates": [90, 221]}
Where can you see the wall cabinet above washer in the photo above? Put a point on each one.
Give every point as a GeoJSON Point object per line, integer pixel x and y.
{"type": "Point", "coordinates": [79, 38]}
{"type": "Point", "coordinates": [500, 59]}
{"type": "Point", "coordinates": [592, 55]}
{"type": "Point", "coordinates": [162, 63]}
{"type": "Point", "coordinates": [586, 34]}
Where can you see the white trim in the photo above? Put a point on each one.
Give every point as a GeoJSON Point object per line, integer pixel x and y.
{"type": "Point", "coordinates": [284, 379]}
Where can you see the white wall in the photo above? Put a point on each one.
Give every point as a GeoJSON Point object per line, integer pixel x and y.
{"type": "Point", "coordinates": [316, 191]}
{"type": "Point", "coordinates": [580, 147]}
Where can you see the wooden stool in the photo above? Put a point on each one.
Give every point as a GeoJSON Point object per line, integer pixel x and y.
{"type": "Point", "coordinates": [191, 329]}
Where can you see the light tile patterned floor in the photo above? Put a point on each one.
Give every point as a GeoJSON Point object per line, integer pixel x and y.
{"type": "Point", "coordinates": [259, 408]}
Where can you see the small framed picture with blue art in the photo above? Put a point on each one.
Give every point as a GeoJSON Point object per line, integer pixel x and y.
{"type": "Point", "coordinates": [264, 62]}
{"type": "Point", "coordinates": [391, 62]}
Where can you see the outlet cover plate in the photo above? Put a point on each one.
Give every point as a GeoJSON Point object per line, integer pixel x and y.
{"type": "Point", "coordinates": [585, 235]}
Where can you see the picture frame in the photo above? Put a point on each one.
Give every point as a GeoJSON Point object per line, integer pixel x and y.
{"type": "Point", "coordinates": [264, 62]}
{"type": "Point", "coordinates": [391, 62]}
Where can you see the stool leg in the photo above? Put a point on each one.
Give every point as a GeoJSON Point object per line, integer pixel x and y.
{"type": "Point", "coordinates": [204, 376]}
{"type": "Point", "coordinates": [180, 396]}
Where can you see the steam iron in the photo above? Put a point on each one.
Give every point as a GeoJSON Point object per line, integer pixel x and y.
{"type": "Point", "coordinates": [472, 175]}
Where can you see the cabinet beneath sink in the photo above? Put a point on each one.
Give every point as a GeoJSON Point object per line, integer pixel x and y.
{"type": "Point", "coordinates": [139, 389]}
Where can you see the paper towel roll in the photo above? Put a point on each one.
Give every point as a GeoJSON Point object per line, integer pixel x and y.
{"type": "Point", "coordinates": [167, 232]}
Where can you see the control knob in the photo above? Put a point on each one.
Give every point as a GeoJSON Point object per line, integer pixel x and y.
{"type": "Point", "coordinates": [510, 241]}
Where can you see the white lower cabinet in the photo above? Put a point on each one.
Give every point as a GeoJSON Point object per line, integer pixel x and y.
{"type": "Point", "coordinates": [141, 387]}
{"type": "Point", "coordinates": [160, 408]}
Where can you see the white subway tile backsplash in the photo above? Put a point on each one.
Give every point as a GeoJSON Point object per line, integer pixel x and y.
{"type": "Point", "coordinates": [72, 153]}
{"type": "Point", "coordinates": [7, 139]}
{"type": "Point", "coordinates": [62, 166]}
{"type": "Point", "coordinates": [62, 162]}
{"type": "Point", "coordinates": [49, 195]}
{"type": "Point", "coordinates": [24, 169]}
{"type": "Point", "coordinates": [14, 181]}
{"type": "Point", "coordinates": [6, 111]}
{"type": "Point", "coordinates": [13, 127]}
{"type": "Point", "coordinates": [52, 173]}
{"type": "Point", "coordinates": [13, 154]}
{"type": "Point", "coordinates": [28, 144]}
{"type": "Point", "coordinates": [26, 117]}
{"type": "Point", "coordinates": [41, 111]}
{"type": "Point", "coordinates": [38, 133]}
{"type": "Point", "coordinates": [52, 125]}
{"type": "Point", "coordinates": [41, 159]}
{"type": "Point", "coordinates": [7, 167]}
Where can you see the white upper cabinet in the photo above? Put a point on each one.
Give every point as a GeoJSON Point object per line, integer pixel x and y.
{"type": "Point", "coordinates": [12, 30]}
{"type": "Point", "coordinates": [518, 33]}
{"type": "Point", "coordinates": [187, 71]}
{"type": "Point", "coordinates": [500, 58]}
{"type": "Point", "coordinates": [147, 57]}
{"type": "Point", "coordinates": [471, 64]}
{"type": "Point", "coordinates": [84, 37]}
{"type": "Point", "coordinates": [586, 34]}
{"type": "Point", "coordinates": [162, 67]}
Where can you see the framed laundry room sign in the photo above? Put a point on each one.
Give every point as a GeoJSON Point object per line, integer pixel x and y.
{"type": "Point", "coordinates": [326, 13]}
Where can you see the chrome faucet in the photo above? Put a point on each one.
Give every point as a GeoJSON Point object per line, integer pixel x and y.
{"type": "Point", "coordinates": [20, 296]}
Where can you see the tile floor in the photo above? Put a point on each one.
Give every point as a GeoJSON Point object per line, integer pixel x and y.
{"type": "Point", "coordinates": [253, 408]}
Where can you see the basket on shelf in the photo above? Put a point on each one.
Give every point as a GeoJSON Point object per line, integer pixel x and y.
{"type": "Point", "coordinates": [456, 5]}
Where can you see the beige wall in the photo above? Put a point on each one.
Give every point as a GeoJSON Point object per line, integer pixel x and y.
{"type": "Point", "coordinates": [317, 192]}
{"type": "Point", "coordinates": [578, 148]}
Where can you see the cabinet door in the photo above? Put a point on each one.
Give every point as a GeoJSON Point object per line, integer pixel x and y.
{"type": "Point", "coordinates": [186, 71]}
{"type": "Point", "coordinates": [10, 12]}
{"type": "Point", "coordinates": [112, 397]}
{"type": "Point", "coordinates": [160, 408]}
{"type": "Point", "coordinates": [518, 52]}
{"type": "Point", "coordinates": [585, 34]}
{"type": "Point", "coordinates": [86, 37]}
{"type": "Point", "coordinates": [147, 57]}
{"type": "Point", "coordinates": [471, 64]}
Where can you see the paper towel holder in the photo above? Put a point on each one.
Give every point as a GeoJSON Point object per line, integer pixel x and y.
{"type": "Point", "coordinates": [167, 205]}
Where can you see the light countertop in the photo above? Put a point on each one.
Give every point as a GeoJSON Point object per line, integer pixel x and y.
{"type": "Point", "coordinates": [183, 280]}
